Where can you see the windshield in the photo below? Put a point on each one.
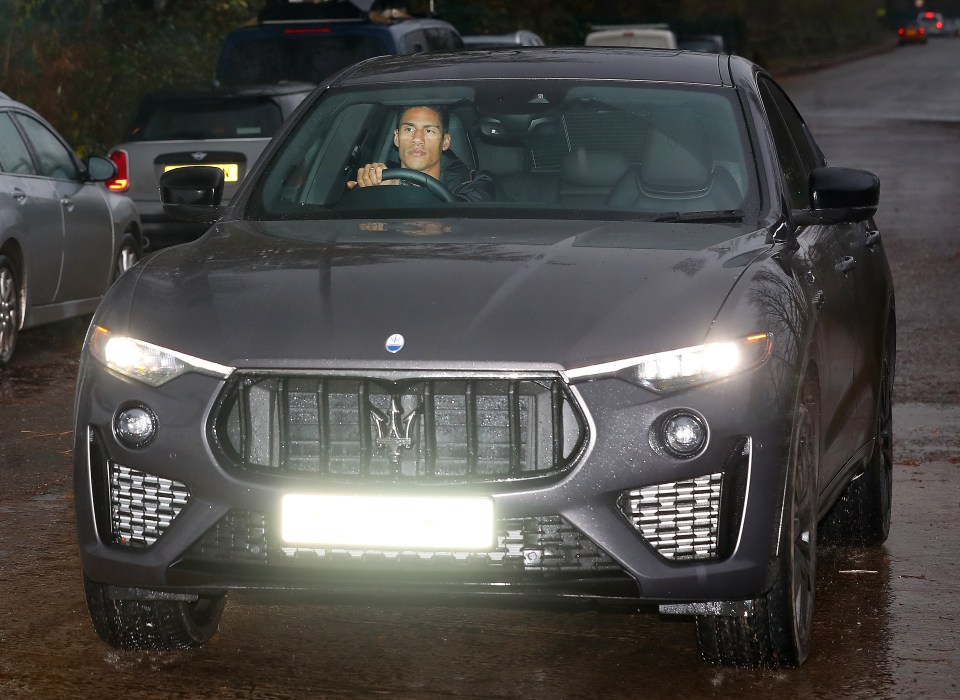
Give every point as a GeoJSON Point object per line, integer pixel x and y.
{"type": "Point", "coordinates": [209, 118]}
{"type": "Point", "coordinates": [521, 149]}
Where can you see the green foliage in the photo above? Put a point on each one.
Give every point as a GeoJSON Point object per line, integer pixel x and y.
{"type": "Point", "coordinates": [83, 64]}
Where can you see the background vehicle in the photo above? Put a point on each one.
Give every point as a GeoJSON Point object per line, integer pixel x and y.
{"type": "Point", "coordinates": [63, 238]}
{"type": "Point", "coordinates": [707, 43]}
{"type": "Point", "coordinates": [309, 42]}
{"type": "Point", "coordinates": [208, 124]}
{"type": "Point", "coordinates": [641, 374]}
{"type": "Point", "coordinates": [639, 36]}
{"type": "Point", "coordinates": [518, 38]}
{"type": "Point", "coordinates": [912, 33]}
{"type": "Point", "coordinates": [934, 24]}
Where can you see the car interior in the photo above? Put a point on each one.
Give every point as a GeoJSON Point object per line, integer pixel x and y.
{"type": "Point", "coordinates": [676, 153]}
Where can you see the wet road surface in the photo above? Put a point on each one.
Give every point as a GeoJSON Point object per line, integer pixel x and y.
{"type": "Point", "coordinates": [887, 622]}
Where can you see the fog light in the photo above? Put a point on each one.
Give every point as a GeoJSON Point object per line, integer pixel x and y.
{"type": "Point", "coordinates": [683, 434]}
{"type": "Point", "coordinates": [135, 426]}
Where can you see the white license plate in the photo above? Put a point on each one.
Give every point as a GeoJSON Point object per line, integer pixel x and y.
{"type": "Point", "coordinates": [231, 171]}
{"type": "Point", "coordinates": [388, 522]}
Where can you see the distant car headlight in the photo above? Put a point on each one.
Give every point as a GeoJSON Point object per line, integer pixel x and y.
{"type": "Point", "coordinates": [680, 369]}
{"type": "Point", "coordinates": [146, 362]}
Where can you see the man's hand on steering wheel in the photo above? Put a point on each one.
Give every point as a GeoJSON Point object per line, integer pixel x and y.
{"type": "Point", "coordinates": [371, 175]}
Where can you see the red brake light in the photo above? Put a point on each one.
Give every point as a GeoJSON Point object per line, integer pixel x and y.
{"type": "Point", "coordinates": [120, 181]}
{"type": "Point", "coordinates": [939, 25]}
{"type": "Point", "coordinates": [309, 30]}
{"type": "Point", "coordinates": [928, 15]}
{"type": "Point", "coordinates": [901, 31]}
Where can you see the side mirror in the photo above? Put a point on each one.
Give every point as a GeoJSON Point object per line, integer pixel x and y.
{"type": "Point", "coordinates": [100, 169]}
{"type": "Point", "coordinates": [192, 193]}
{"type": "Point", "coordinates": [841, 196]}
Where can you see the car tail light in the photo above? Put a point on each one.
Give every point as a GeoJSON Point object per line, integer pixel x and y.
{"type": "Point", "coordinates": [121, 181]}
{"type": "Point", "coordinates": [900, 31]}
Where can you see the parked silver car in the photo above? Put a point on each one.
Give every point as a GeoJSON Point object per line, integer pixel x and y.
{"type": "Point", "coordinates": [63, 238]}
{"type": "Point", "coordinates": [202, 124]}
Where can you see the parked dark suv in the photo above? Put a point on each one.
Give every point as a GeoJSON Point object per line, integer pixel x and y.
{"type": "Point", "coordinates": [309, 42]}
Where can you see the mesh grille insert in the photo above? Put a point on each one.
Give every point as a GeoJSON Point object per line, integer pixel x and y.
{"type": "Point", "coordinates": [538, 545]}
{"type": "Point", "coordinates": [142, 506]}
{"type": "Point", "coordinates": [680, 519]}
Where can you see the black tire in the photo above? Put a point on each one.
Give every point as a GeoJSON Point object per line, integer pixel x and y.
{"type": "Point", "coordinates": [9, 309]}
{"type": "Point", "coordinates": [861, 517]}
{"type": "Point", "coordinates": [778, 631]}
{"type": "Point", "coordinates": [128, 254]}
{"type": "Point", "coordinates": [152, 624]}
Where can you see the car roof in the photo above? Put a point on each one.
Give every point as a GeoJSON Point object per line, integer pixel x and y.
{"type": "Point", "coordinates": [190, 91]}
{"type": "Point", "coordinates": [583, 63]}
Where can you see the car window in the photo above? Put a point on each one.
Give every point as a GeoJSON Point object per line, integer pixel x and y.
{"type": "Point", "coordinates": [55, 160]}
{"type": "Point", "coordinates": [164, 120]}
{"type": "Point", "coordinates": [305, 56]}
{"type": "Point", "coordinates": [14, 156]}
{"type": "Point", "coordinates": [553, 148]}
{"type": "Point", "coordinates": [793, 150]}
{"type": "Point", "coordinates": [414, 42]}
{"type": "Point", "coordinates": [440, 39]}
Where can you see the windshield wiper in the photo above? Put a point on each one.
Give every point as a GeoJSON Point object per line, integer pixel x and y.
{"type": "Point", "coordinates": [719, 216]}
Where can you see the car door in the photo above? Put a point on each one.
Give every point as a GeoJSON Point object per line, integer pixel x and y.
{"type": "Point", "coordinates": [829, 253]}
{"type": "Point", "coordinates": [87, 221]}
{"type": "Point", "coordinates": [29, 214]}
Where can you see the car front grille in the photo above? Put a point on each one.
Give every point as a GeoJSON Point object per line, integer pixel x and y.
{"type": "Point", "coordinates": [425, 430]}
{"type": "Point", "coordinates": [142, 506]}
{"type": "Point", "coordinates": [537, 545]}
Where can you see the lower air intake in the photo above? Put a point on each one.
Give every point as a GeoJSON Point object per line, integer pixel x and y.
{"type": "Point", "coordinates": [680, 519]}
{"type": "Point", "coordinates": [142, 506]}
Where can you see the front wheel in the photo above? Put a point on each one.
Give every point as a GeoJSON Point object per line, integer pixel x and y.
{"type": "Point", "coordinates": [152, 624]}
{"type": "Point", "coordinates": [778, 630]}
{"type": "Point", "coordinates": [9, 309]}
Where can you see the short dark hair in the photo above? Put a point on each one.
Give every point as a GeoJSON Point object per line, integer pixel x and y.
{"type": "Point", "coordinates": [441, 111]}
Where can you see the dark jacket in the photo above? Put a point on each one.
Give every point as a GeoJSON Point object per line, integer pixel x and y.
{"type": "Point", "coordinates": [476, 186]}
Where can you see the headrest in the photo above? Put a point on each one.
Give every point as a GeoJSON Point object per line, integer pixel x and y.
{"type": "Point", "coordinates": [676, 158]}
{"type": "Point", "coordinates": [585, 168]}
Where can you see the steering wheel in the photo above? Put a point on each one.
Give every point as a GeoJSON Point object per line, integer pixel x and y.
{"type": "Point", "coordinates": [434, 186]}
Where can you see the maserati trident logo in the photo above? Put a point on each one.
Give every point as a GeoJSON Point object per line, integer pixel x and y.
{"type": "Point", "coordinates": [395, 343]}
{"type": "Point", "coordinates": [394, 431]}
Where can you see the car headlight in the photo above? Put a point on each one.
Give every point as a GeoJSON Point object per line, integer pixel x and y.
{"type": "Point", "coordinates": [680, 369]}
{"type": "Point", "coordinates": [146, 362]}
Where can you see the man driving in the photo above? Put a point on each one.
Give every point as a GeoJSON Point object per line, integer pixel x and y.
{"type": "Point", "coordinates": [422, 139]}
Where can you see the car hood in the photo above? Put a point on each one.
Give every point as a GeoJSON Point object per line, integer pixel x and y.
{"type": "Point", "coordinates": [462, 293]}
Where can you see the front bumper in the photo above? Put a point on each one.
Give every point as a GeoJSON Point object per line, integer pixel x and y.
{"type": "Point", "coordinates": [624, 521]}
